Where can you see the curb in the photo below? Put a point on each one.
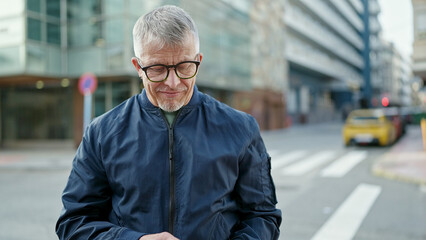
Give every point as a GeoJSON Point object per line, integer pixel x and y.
{"type": "Point", "coordinates": [394, 176]}
{"type": "Point", "coordinates": [36, 161]}
{"type": "Point", "coordinates": [405, 161]}
{"type": "Point", "coordinates": [38, 166]}
{"type": "Point", "coordinates": [405, 167]}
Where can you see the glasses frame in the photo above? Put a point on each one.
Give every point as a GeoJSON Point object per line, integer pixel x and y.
{"type": "Point", "coordinates": [197, 64]}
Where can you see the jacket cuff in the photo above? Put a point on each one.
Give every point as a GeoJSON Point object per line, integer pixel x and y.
{"type": "Point", "coordinates": [128, 234]}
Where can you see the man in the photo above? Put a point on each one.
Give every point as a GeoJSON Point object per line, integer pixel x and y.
{"type": "Point", "coordinates": [171, 162]}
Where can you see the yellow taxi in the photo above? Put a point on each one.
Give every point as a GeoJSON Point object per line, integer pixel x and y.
{"type": "Point", "coordinates": [368, 126]}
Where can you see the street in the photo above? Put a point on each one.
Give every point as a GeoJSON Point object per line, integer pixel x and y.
{"type": "Point", "coordinates": [31, 184]}
{"type": "Point", "coordinates": [326, 191]}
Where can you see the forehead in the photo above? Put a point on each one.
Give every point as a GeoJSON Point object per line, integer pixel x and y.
{"type": "Point", "coordinates": [153, 53]}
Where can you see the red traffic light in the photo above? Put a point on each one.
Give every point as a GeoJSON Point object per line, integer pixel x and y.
{"type": "Point", "coordinates": [385, 101]}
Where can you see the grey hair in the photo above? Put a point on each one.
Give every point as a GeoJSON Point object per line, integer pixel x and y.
{"type": "Point", "coordinates": [164, 26]}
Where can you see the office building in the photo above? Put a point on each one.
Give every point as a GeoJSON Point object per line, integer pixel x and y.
{"type": "Point", "coordinates": [46, 45]}
{"type": "Point", "coordinates": [395, 76]}
{"type": "Point", "coordinates": [419, 44]}
{"type": "Point", "coordinates": [284, 62]}
{"type": "Point", "coordinates": [324, 49]}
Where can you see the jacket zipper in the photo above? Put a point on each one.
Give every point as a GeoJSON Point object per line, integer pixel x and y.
{"type": "Point", "coordinates": [172, 211]}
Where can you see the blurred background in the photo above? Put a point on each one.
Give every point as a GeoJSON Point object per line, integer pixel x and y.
{"type": "Point", "coordinates": [300, 67]}
{"type": "Point", "coordinates": [286, 62]}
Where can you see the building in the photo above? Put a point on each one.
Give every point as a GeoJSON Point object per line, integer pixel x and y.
{"type": "Point", "coordinates": [35, 98]}
{"type": "Point", "coordinates": [324, 48]}
{"type": "Point", "coordinates": [394, 77]}
{"type": "Point", "coordinates": [287, 61]}
{"type": "Point", "coordinates": [46, 45]}
{"type": "Point", "coordinates": [378, 58]}
{"type": "Point", "coordinates": [244, 64]}
{"type": "Point", "coordinates": [269, 69]}
{"type": "Point", "coordinates": [406, 77]}
{"type": "Point", "coordinates": [419, 45]}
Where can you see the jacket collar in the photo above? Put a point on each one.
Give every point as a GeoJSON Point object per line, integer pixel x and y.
{"type": "Point", "coordinates": [145, 103]}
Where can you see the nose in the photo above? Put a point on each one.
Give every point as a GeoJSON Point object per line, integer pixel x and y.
{"type": "Point", "coordinates": [172, 80]}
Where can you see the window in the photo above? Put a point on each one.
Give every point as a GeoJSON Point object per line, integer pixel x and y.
{"type": "Point", "coordinates": [41, 115]}
{"type": "Point", "coordinates": [34, 5]}
{"type": "Point", "coordinates": [53, 8]}
{"type": "Point", "coordinates": [120, 92]}
{"type": "Point", "coordinates": [83, 8]}
{"type": "Point", "coordinates": [34, 29]}
{"type": "Point", "coordinates": [99, 99]}
{"type": "Point", "coordinates": [110, 94]}
{"type": "Point", "coordinates": [114, 31]}
{"type": "Point", "coordinates": [43, 22]}
{"type": "Point", "coordinates": [36, 58]}
{"type": "Point", "coordinates": [115, 58]}
{"type": "Point", "coordinates": [85, 33]}
{"type": "Point", "coordinates": [53, 33]}
{"type": "Point", "coordinates": [114, 6]}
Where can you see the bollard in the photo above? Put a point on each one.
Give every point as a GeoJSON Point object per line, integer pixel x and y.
{"type": "Point", "coordinates": [423, 127]}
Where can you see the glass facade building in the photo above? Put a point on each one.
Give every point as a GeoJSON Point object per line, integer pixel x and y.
{"type": "Point", "coordinates": [35, 94]}
{"type": "Point", "coordinates": [46, 45]}
{"type": "Point", "coordinates": [265, 57]}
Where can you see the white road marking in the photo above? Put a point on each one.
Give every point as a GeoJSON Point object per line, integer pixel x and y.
{"type": "Point", "coordinates": [344, 164]}
{"type": "Point", "coordinates": [287, 158]}
{"type": "Point", "coordinates": [308, 164]}
{"type": "Point", "coordinates": [344, 223]}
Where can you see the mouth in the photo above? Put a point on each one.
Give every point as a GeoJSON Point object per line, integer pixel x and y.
{"type": "Point", "coordinates": [170, 94]}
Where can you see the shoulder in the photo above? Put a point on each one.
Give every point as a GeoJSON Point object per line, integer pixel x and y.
{"type": "Point", "coordinates": [114, 120]}
{"type": "Point", "coordinates": [219, 112]}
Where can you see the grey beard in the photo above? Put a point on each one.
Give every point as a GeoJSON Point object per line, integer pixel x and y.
{"type": "Point", "coordinates": [170, 107]}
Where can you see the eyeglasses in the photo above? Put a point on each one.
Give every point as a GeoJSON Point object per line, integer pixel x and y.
{"type": "Point", "coordinates": [160, 72]}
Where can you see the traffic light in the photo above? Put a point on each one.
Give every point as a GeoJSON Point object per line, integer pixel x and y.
{"type": "Point", "coordinates": [385, 101]}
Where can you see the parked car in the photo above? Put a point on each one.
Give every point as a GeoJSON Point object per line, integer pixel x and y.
{"type": "Point", "coordinates": [369, 126]}
{"type": "Point", "coordinates": [394, 115]}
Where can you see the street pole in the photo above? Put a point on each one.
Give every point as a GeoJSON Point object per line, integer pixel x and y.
{"type": "Point", "coordinates": [87, 85]}
{"type": "Point", "coordinates": [366, 56]}
{"type": "Point", "coordinates": [87, 112]}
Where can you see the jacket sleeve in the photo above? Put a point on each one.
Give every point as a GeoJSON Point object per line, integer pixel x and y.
{"type": "Point", "coordinates": [87, 198]}
{"type": "Point", "coordinates": [255, 191]}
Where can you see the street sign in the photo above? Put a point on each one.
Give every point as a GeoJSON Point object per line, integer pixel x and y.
{"type": "Point", "coordinates": [87, 83]}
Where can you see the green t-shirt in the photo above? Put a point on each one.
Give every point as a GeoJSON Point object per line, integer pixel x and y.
{"type": "Point", "coordinates": [170, 116]}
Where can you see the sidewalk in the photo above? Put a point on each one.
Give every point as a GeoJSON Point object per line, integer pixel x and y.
{"type": "Point", "coordinates": [406, 160]}
{"type": "Point", "coordinates": [37, 156]}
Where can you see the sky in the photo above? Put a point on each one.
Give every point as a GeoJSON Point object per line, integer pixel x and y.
{"type": "Point", "coordinates": [396, 18]}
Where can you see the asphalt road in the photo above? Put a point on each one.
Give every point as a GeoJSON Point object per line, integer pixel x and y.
{"type": "Point", "coordinates": [30, 203]}
{"type": "Point", "coordinates": [326, 191]}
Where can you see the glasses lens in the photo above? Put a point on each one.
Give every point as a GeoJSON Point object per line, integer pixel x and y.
{"type": "Point", "coordinates": [186, 69]}
{"type": "Point", "coordinates": [156, 73]}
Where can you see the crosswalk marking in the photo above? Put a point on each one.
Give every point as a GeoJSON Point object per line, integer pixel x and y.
{"type": "Point", "coordinates": [287, 158]}
{"type": "Point", "coordinates": [344, 164]}
{"type": "Point", "coordinates": [306, 165]}
{"type": "Point", "coordinates": [344, 223]}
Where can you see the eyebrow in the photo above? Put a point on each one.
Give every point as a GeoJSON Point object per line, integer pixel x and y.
{"type": "Point", "coordinates": [185, 58]}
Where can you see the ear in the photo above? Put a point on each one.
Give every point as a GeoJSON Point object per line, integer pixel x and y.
{"type": "Point", "coordinates": [137, 66]}
{"type": "Point", "coordinates": [200, 56]}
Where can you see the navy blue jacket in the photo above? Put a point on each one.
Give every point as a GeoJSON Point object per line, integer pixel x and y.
{"type": "Point", "coordinates": [207, 176]}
